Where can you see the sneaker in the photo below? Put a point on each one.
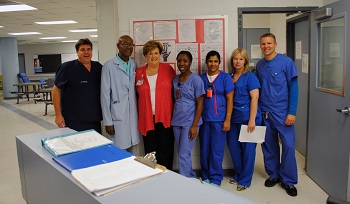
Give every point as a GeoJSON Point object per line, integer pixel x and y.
{"type": "Point", "coordinates": [270, 182]}
{"type": "Point", "coordinates": [241, 188]}
{"type": "Point", "coordinates": [232, 181]}
{"type": "Point", "coordinates": [291, 190]}
{"type": "Point", "coordinates": [206, 181]}
{"type": "Point", "coordinates": [214, 184]}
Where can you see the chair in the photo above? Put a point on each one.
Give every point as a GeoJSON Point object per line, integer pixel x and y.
{"type": "Point", "coordinates": [45, 89]}
{"type": "Point", "coordinates": [47, 93]}
{"type": "Point", "coordinates": [23, 77]}
{"type": "Point", "coordinates": [22, 90]}
{"type": "Point", "coordinates": [46, 104]}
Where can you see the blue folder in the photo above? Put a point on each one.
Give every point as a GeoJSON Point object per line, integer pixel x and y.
{"type": "Point", "coordinates": [91, 157]}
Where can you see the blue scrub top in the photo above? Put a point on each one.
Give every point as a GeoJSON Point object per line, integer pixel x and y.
{"type": "Point", "coordinates": [274, 76]}
{"type": "Point", "coordinates": [241, 105]}
{"type": "Point", "coordinates": [80, 91]}
{"type": "Point", "coordinates": [185, 105]}
{"type": "Point", "coordinates": [214, 108]}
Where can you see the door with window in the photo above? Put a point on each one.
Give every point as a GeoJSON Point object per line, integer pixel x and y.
{"type": "Point", "coordinates": [328, 146]}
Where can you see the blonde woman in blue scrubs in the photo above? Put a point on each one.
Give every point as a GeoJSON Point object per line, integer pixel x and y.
{"type": "Point", "coordinates": [245, 112]}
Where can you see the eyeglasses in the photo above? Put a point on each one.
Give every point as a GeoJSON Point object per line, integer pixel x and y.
{"type": "Point", "coordinates": [125, 44]}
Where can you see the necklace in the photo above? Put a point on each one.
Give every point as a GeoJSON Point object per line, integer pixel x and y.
{"type": "Point", "coordinates": [236, 76]}
{"type": "Point", "coordinates": [152, 71]}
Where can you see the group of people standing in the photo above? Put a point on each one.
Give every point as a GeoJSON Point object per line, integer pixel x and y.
{"type": "Point", "coordinates": [167, 108]}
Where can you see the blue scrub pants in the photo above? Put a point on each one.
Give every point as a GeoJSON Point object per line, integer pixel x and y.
{"type": "Point", "coordinates": [242, 154]}
{"type": "Point", "coordinates": [286, 166]}
{"type": "Point", "coordinates": [184, 147]}
{"type": "Point", "coordinates": [212, 143]}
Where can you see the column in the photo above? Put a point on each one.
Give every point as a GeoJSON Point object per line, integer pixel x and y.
{"type": "Point", "coordinates": [108, 28]}
{"type": "Point", "coordinates": [9, 65]}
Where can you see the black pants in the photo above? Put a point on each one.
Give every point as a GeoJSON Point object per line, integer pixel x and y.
{"type": "Point", "coordinates": [81, 126]}
{"type": "Point", "coordinates": [161, 140]}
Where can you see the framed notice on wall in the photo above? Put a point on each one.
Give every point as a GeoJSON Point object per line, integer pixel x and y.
{"type": "Point", "coordinates": [198, 35]}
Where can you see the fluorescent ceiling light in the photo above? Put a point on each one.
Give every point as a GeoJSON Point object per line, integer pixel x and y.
{"type": "Point", "coordinates": [69, 40]}
{"type": "Point", "coordinates": [52, 38]}
{"type": "Point", "coordinates": [25, 33]}
{"type": "Point", "coordinates": [1, 26]}
{"type": "Point", "coordinates": [83, 30]}
{"type": "Point", "coordinates": [56, 22]}
{"type": "Point", "coordinates": [17, 7]}
{"type": "Point", "coordinates": [93, 36]}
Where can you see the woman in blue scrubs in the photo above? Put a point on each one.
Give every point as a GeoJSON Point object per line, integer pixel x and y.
{"type": "Point", "coordinates": [247, 112]}
{"type": "Point", "coordinates": [217, 110]}
{"type": "Point", "coordinates": [188, 91]}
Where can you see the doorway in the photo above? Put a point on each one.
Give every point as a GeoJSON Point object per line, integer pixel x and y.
{"type": "Point", "coordinates": [21, 63]}
{"type": "Point", "coordinates": [284, 42]}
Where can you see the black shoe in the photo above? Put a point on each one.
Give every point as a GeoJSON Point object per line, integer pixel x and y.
{"type": "Point", "coordinates": [291, 190]}
{"type": "Point", "coordinates": [270, 182]}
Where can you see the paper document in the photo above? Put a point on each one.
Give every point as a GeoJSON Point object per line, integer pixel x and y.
{"type": "Point", "coordinates": [106, 178]}
{"type": "Point", "coordinates": [257, 136]}
{"type": "Point", "coordinates": [65, 144]}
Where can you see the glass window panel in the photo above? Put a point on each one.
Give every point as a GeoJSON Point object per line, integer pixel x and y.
{"type": "Point", "coordinates": [331, 56]}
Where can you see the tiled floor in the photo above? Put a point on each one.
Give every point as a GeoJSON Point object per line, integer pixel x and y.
{"type": "Point", "coordinates": [27, 117]}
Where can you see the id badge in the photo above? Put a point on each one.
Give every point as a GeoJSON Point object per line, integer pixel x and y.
{"type": "Point", "coordinates": [209, 93]}
{"type": "Point", "coordinates": [178, 94]}
{"type": "Point", "coordinates": [139, 82]}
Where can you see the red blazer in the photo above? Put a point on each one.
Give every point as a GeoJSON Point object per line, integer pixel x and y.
{"type": "Point", "coordinates": [164, 99]}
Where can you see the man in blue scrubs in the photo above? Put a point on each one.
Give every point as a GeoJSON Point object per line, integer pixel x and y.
{"type": "Point", "coordinates": [278, 101]}
{"type": "Point", "coordinates": [76, 93]}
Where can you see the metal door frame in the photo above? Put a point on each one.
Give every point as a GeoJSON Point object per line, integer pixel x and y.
{"type": "Point", "coordinates": [265, 10]}
{"type": "Point", "coordinates": [291, 53]}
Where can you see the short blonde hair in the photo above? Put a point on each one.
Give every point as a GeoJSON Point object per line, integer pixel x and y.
{"type": "Point", "coordinates": [150, 45]}
{"type": "Point", "coordinates": [244, 54]}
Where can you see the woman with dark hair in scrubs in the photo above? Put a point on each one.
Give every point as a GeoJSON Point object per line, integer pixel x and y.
{"type": "Point", "coordinates": [217, 110]}
{"type": "Point", "coordinates": [188, 91]}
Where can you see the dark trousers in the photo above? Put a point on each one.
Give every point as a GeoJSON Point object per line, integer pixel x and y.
{"type": "Point", "coordinates": [81, 126]}
{"type": "Point", "coordinates": [161, 141]}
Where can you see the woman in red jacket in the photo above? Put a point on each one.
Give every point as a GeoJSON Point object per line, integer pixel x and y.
{"type": "Point", "coordinates": [155, 104]}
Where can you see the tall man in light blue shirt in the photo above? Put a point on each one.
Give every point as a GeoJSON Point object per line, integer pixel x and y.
{"type": "Point", "coordinates": [118, 96]}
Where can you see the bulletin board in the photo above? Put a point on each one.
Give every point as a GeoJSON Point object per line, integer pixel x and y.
{"type": "Point", "coordinates": [198, 35]}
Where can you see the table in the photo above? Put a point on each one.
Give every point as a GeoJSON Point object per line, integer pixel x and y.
{"type": "Point", "coordinates": [44, 181]}
{"type": "Point", "coordinates": [23, 89]}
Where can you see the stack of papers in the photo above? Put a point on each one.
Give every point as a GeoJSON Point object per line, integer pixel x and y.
{"type": "Point", "coordinates": [106, 178]}
{"type": "Point", "coordinates": [91, 157]}
{"type": "Point", "coordinates": [65, 144]}
{"type": "Point", "coordinates": [257, 136]}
